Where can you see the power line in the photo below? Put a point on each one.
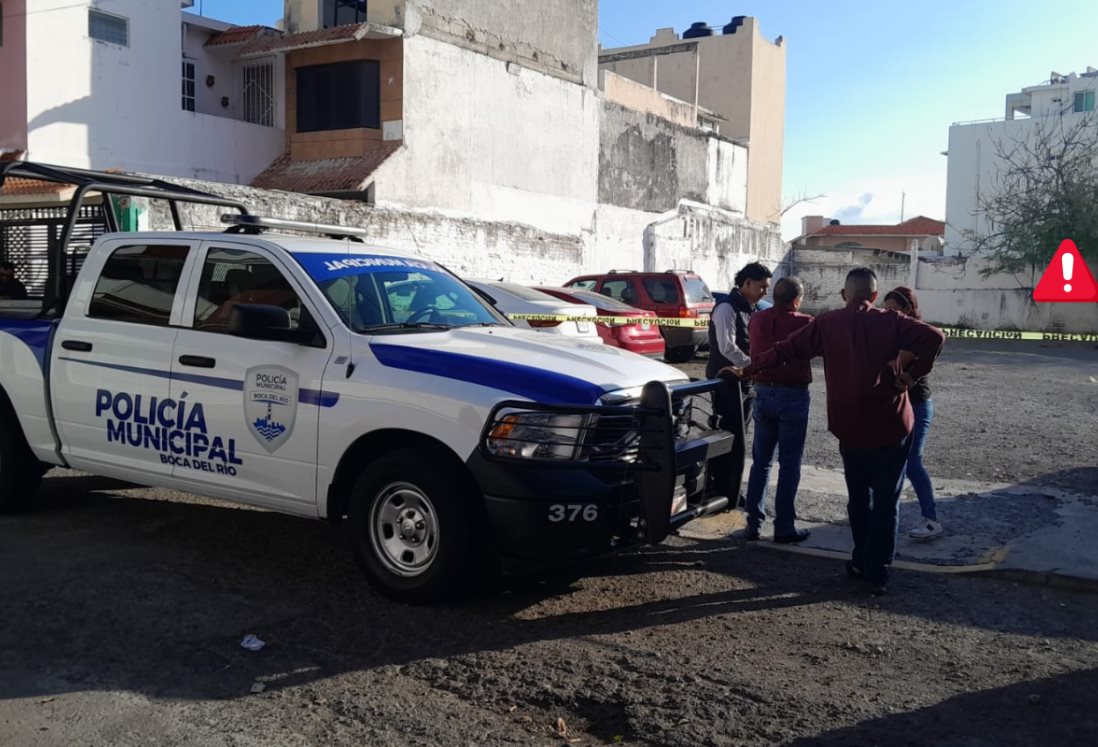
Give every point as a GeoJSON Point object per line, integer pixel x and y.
{"type": "Point", "coordinates": [51, 10]}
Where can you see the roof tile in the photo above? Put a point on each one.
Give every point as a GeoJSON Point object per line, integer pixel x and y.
{"type": "Point", "coordinates": [920, 225]}
{"type": "Point", "coordinates": [335, 34]}
{"type": "Point", "coordinates": [15, 185]}
{"type": "Point", "coordinates": [241, 34]}
{"type": "Point", "coordinates": [323, 175]}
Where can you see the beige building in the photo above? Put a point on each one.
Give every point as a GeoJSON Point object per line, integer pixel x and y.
{"type": "Point", "coordinates": [819, 233]}
{"type": "Point", "coordinates": [735, 73]}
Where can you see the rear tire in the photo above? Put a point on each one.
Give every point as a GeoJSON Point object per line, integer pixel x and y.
{"type": "Point", "coordinates": [682, 354]}
{"type": "Point", "coordinates": [20, 472]}
{"type": "Point", "coordinates": [413, 517]}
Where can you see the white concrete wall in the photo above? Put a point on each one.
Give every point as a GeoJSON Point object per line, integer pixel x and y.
{"type": "Point", "coordinates": [492, 139]}
{"type": "Point", "coordinates": [727, 175]}
{"type": "Point", "coordinates": [715, 246]}
{"type": "Point", "coordinates": [972, 171]}
{"type": "Point", "coordinates": [97, 105]}
{"type": "Point", "coordinates": [824, 271]}
{"type": "Point", "coordinates": [952, 291]}
{"type": "Point", "coordinates": [216, 62]}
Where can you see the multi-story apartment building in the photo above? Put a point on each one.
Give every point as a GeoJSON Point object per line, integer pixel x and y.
{"type": "Point", "coordinates": [976, 149]}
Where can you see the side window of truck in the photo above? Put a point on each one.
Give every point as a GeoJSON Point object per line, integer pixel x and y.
{"type": "Point", "coordinates": [138, 284]}
{"type": "Point", "coordinates": [232, 276]}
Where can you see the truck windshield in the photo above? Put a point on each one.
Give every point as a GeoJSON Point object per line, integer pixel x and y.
{"type": "Point", "coordinates": [385, 295]}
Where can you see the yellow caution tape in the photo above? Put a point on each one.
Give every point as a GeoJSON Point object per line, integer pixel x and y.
{"type": "Point", "coordinates": [703, 322]}
{"type": "Point", "coordinates": [1006, 334]}
{"type": "Point", "coordinates": [616, 321]}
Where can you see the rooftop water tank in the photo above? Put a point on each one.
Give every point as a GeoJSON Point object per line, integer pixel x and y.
{"type": "Point", "coordinates": [737, 21]}
{"type": "Point", "coordinates": [697, 29]}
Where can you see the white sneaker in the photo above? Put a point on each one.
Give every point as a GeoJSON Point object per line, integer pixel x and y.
{"type": "Point", "coordinates": [927, 529]}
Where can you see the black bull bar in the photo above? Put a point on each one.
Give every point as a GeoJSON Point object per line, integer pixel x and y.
{"type": "Point", "coordinates": [664, 453]}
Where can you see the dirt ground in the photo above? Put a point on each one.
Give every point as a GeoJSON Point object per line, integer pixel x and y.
{"type": "Point", "coordinates": [1003, 412]}
{"type": "Point", "coordinates": [123, 611]}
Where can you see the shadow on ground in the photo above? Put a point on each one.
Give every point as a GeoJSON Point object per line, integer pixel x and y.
{"type": "Point", "coordinates": [1000, 717]}
{"type": "Point", "coordinates": [112, 592]}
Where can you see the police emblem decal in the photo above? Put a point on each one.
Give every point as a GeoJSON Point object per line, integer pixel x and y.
{"type": "Point", "coordinates": [270, 404]}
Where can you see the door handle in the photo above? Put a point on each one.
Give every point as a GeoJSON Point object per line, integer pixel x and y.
{"type": "Point", "coordinates": [198, 361]}
{"type": "Point", "coordinates": [83, 347]}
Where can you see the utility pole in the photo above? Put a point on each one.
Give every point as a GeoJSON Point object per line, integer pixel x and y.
{"type": "Point", "coordinates": [903, 198]}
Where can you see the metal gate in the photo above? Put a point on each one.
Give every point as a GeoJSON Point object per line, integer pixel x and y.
{"type": "Point", "coordinates": [27, 235]}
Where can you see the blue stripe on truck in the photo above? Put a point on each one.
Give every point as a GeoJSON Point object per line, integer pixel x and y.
{"type": "Point", "coordinates": [317, 397]}
{"type": "Point", "coordinates": [536, 384]}
{"type": "Point", "coordinates": [34, 333]}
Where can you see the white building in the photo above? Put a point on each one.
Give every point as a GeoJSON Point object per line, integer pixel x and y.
{"type": "Point", "coordinates": [975, 147]}
{"type": "Point", "coordinates": [136, 85]}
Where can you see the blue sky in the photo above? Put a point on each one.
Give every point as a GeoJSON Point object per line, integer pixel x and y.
{"type": "Point", "coordinates": [871, 87]}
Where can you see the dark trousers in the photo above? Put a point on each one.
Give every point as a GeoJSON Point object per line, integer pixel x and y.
{"type": "Point", "coordinates": [732, 405]}
{"type": "Point", "coordinates": [874, 479]}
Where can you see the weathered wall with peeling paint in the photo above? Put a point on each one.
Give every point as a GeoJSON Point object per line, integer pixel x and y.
{"type": "Point", "coordinates": [649, 163]}
{"type": "Point", "coordinates": [713, 243]}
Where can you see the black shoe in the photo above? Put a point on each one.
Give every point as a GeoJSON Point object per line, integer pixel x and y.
{"type": "Point", "coordinates": [853, 571]}
{"type": "Point", "coordinates": [879, 589]}
{"type": "Point", "coordinates": [799, 535]}
{"type": "Point", "coordinates": [751, 535]}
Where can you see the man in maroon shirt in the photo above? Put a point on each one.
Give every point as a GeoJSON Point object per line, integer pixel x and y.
{"type": "Point", "coordinates": [867, 408]}
{"type": "Point", "coordinates": [781, 415]}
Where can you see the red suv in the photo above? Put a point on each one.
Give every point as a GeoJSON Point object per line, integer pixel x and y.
{"type": "Point", "coordinates": [675, 293]}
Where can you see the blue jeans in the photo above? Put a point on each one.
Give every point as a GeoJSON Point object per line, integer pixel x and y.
{"type": "Point", "coordinates": [874, 479]}
{"type": "Point", "coordinates": [916, 472]}
{"type": "Point", "coordinates": [781, 421]}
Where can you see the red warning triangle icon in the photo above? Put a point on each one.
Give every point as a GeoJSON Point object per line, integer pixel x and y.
{"type": "Point", "coordinates": [1067, 278]}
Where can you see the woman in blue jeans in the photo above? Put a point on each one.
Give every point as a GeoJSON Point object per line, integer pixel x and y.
{"type": "Point", "coordinates": [903, 300]}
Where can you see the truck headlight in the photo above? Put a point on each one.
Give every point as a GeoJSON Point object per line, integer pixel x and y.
{"type": "Point", "coordinates": [537, 435]}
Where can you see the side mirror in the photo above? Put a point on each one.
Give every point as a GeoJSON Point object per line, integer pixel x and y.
{"type": "Point", "coordinates": [266, 322]}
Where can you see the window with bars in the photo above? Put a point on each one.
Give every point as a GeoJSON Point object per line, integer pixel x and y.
{"type": "Point", "coordinates": [343, 12]}
{"type": "Point", "coordinates": [188, 86]}
{"type": "Point", "coordinates": [259, 94]}
{"type": "Point", "coordinates": [108, 28]}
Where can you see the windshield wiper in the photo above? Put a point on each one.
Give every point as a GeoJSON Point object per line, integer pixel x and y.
{"type": "Point", "coordinates": [395, 326]}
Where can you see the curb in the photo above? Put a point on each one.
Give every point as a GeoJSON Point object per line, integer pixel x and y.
{"type": "Point", "coordinates": [1048, 579]}
{"type": "Point", "coordinates": [906, 565]}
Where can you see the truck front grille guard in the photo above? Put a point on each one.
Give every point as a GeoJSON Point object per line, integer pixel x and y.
{"type": "Point", "coordinates": [670, 429]}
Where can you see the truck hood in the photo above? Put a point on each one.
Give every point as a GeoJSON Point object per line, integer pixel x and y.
{"type": "Point", "coordinates": [533, 365]}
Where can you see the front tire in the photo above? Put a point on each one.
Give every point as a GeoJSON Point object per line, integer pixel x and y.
{"type": "Point", "coordinates": [412, 518]}
{"type": "Point", "coordinates": [20, 472]}
{"type": "Point", "coordinates": [682, 354]}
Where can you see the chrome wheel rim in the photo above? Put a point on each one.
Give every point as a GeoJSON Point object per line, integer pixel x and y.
{"type": "Point", "coordinates": [404, 529]}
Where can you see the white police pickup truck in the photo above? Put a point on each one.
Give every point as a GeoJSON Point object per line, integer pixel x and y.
{"type": "Point", "coordinates": [326, 378]}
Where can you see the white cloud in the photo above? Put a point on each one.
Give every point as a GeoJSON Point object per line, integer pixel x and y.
{"type": "Point", "coordinates": [874, 200]}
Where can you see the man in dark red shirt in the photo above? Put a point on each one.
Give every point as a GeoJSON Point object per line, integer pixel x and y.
{"type": "Point", "coordinates": [781, 415]}
{"type": "Point", "coordinates": [867, 408]}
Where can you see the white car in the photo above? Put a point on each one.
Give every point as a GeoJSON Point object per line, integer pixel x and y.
{"type": "Point", "coordinates": [512, 298]}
